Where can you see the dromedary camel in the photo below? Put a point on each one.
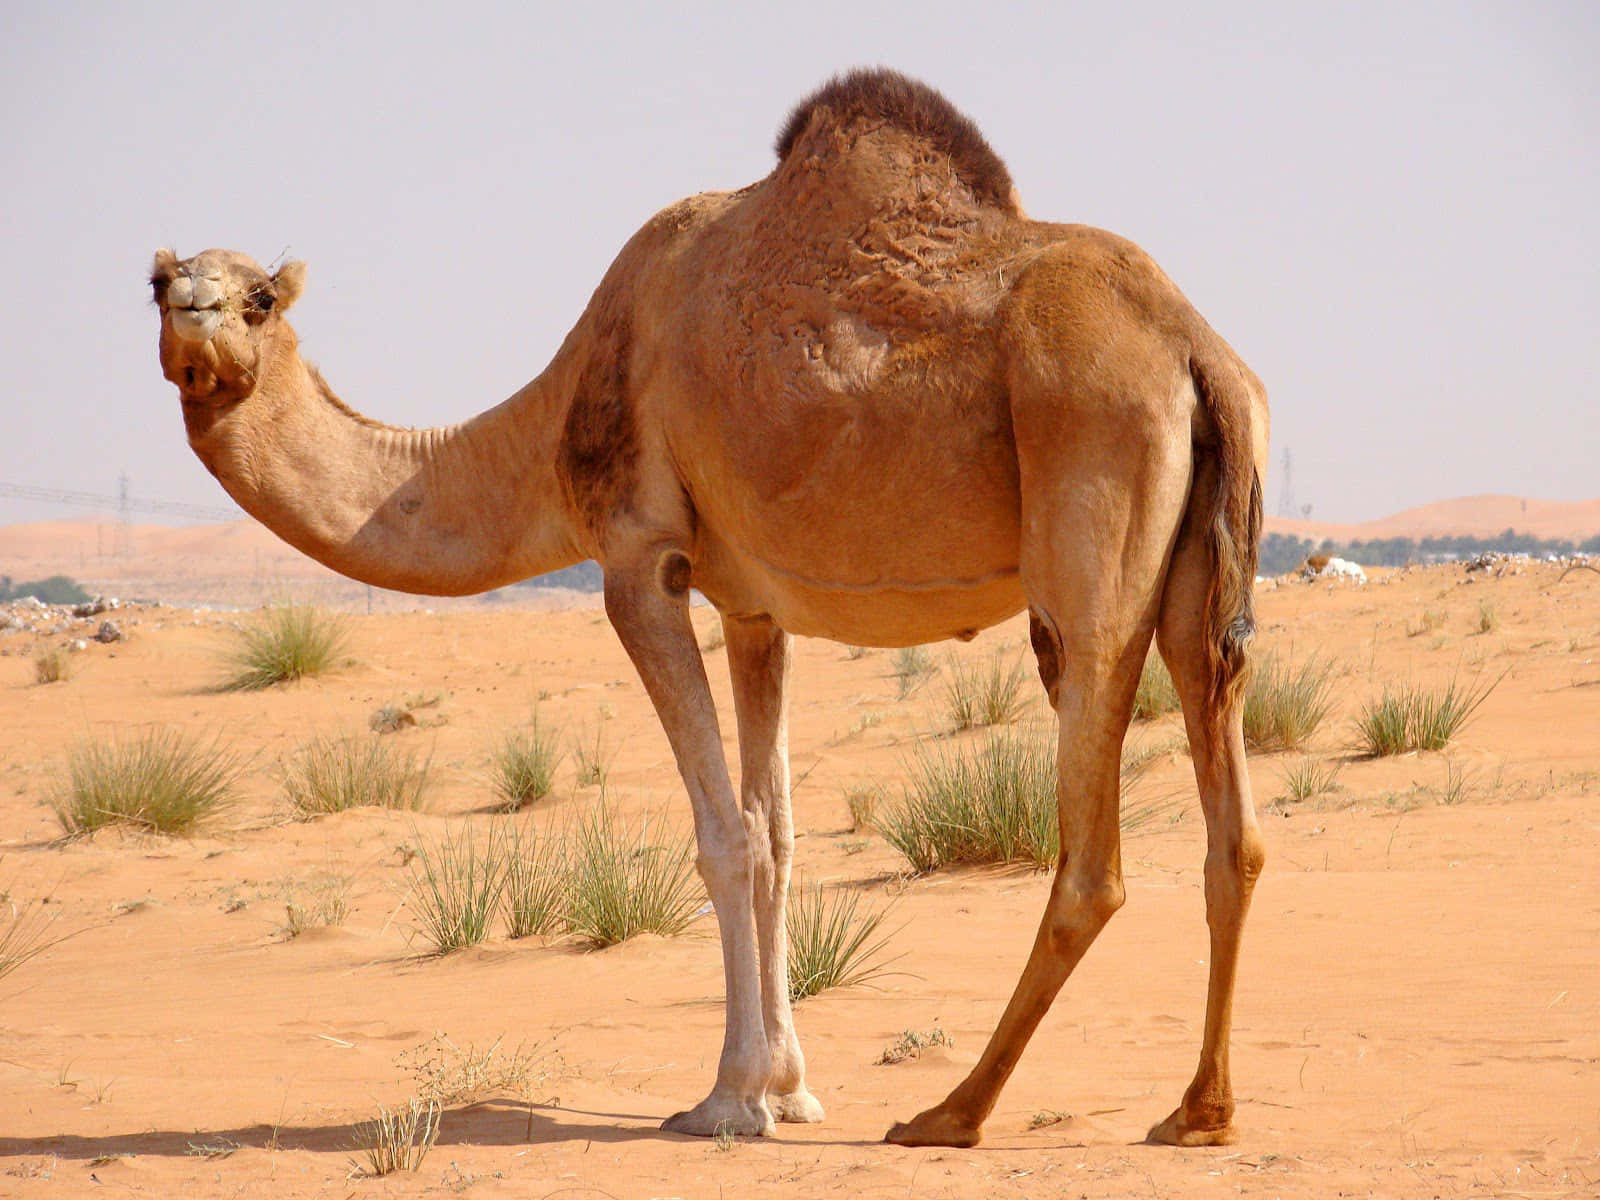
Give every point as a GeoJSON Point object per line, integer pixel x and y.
{"type": "Point", "coordinates": [867, 399]}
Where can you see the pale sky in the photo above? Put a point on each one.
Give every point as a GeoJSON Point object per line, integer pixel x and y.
{"type": "Point", "coordinates": [1389, 210]}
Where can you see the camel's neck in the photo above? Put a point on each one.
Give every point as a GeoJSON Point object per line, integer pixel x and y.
{"type": "Point", "coordinates": [445, 512]}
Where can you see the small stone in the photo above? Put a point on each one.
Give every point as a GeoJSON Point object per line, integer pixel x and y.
{"type": "Point", "coordinates": [108, 632]}
{"type": "Point", "coordinates": [77, 644]}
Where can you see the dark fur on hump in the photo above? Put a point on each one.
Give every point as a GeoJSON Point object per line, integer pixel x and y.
{"type": "Point", "coordinates": [879, 93]}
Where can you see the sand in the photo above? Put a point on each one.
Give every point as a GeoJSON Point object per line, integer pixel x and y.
{"type": "Point", "coordinates": [1418, 1012]}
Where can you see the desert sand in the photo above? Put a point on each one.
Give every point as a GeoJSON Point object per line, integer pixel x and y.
{"type": "Point", "coordinates": [1418, 1012]}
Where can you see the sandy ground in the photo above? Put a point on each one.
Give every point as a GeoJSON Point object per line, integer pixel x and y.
{"type": "Point", "coordinates": [1418, 1012]}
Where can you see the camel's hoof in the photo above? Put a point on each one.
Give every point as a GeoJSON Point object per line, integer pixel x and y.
{"type": "Point", "coordinates": [1177, 1131]}
{"type": "Point", "coordinates": [723, 1116]}
{"type": "Point", "coordinates": [936, 1127]}
{"type": "Point", "coordinates": [798, 1107]}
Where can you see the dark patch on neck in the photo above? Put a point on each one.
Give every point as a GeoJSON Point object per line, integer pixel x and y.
{"type": "Point", "coordinates": [598, 459]}
{"type": "Point", "coordinates": [880, 94]}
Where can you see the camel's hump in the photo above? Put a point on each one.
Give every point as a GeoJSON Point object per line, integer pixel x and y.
{"type": "Point", "coordinates": [886, 95]}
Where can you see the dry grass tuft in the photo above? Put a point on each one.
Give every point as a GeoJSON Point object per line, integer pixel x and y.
{"type": "Point", "coordinates": [159, 780]}
{"type": "Point", "coordinates": [831, 945]}
{"type": "Point", "coordinates": [984, 695]}
{"type": "Point", "coordinates": [25, 931]}
{"type": "Point", "coordinates": [593, 756]}
{"type": "Point", "coordinates": [398, 1140]}
{"type": "Point", "coordinates": [332, 774]}
{"type": "Point", "coordinates": [52, 664]}
{"type": "Point", "coordinates": [288, 642]}
{"type": "Point", "coordinates": [322, 903]}
{"type": "Point", "coordinates": [445, 1073]}
{"type": "Point", "coordinates": [913, 667]}
{"type": "Point", "coordinates": [911, 1045]}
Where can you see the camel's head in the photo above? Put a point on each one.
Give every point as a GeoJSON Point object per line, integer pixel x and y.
{"type": "Point", "coordinates": [219, 314]}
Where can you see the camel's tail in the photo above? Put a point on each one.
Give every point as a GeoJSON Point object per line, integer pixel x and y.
{"type": "Point", "coordinates": [1229, 514]}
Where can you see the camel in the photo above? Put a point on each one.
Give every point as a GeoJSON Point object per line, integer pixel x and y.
{"type": "Point", "coordinates": [865, 398]}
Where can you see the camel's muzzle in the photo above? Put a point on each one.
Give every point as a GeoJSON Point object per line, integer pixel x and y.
{"type": "Point", "coordinates": [194, 302]}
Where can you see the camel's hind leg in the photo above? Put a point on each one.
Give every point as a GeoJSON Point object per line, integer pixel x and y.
{"type": "Point", "coordinates": [1234, 850]}
{"type": "Point", "coordinates": [1099, 518]}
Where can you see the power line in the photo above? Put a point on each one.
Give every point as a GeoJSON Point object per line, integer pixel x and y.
{"type": "Point", "coordinates": [122, 503]}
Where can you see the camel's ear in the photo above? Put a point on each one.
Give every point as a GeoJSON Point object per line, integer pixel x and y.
{"type": "Point", "coordinates": [289, 282]}
{"type": "Point", "coordinates": [162, 270]}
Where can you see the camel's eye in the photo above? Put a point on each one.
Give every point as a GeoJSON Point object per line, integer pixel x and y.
{"type": "Point", "coordinates": [258, 304]}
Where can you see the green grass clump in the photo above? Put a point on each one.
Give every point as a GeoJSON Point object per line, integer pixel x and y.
{"type": "Point", "coordinates": [158, 780]}
{"type": "Point", "coordinates": [1284, 704]}
{"type": "Point", "coordinates": [831, 945]}
{"type": "Point", "coordinates": [627, 879]}
{"type": "Point", "coordinates": [456, 887]}
{"type": "Point", "coordinates": [913, 667]}
{"type": "Point", "coordinates": [52, 664]}
{"type": "Point", "coordinates": [992, 803]}
{"type": "Point", "coordinates": [995, 805]}
{"type": "Point", "coordinates": [332, 774]}
{"type": "Point", "coordinates": [398, 1140]}
{"type": "Point", "coordinates": [523, 767]}
{"type": "Point", "coordinates": [535, 884]}
{"type": "Point", "coordinates": [288, 642]}
{"type": "Point", "coordinates": [1416, 717]}
{"type": "Point", "coordinates": [1156, 695]}
{"type": "Point", "coordinates": [983, 695]}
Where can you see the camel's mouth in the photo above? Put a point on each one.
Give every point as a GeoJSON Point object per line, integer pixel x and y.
{"type": "Point", "coordinates": [194, 303]}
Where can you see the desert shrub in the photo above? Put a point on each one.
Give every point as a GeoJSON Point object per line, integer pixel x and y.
{"type": "Point", "coordinates": [446, 1073]}
{"type": "Point", "coordinates": [52, 664]}
{"type": "Point", "coordinates": [321, 904]}
{"type": "Point", "coordinates": [159, 780]}
{"type": "Point", "coordinates": [1284, 704]}
{"type": "Point", "coordinates": [911, 1044]}
{"type": "Point", "coordinates": [287, 642]}
{"type": "Point", "coordinates": [535, 884]}
{"type": "Point", "coordinates": [398, 1140]}
{"type": "Point", "coordinates": [627, 879]}
{"type": "Point", "coordinates": [1156, 694]}
{"type": "Point", "coordinates": [912, 668]}
{"type": "Point", "coordinates": [831, 944]}
{"type": "Point", "coordinates": [456, 886]}
{"type": "Point", "coordinates": [332, 774]}
{"type": "Point", "coordinates": [523, 767]}
{"type": "Point", "coordinates": [989, 694]}
{"type": "Point", "coordinates": [1416, 717]}
{"type": "Point", "coordinates": [1309, 778]}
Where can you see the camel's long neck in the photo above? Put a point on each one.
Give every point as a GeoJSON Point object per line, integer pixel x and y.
{"type": "Point", "coordinates": [446, 511]}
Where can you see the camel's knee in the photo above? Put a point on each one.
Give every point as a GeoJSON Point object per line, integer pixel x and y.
{"type": "Point", "coordinates": [1081, 909]}
{"type": "Point", "coordinates": [1231, 874]}
{"type": "Point", "coordinates": [725, 860]}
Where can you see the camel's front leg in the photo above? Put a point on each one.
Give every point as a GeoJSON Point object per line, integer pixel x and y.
{"type": "Point", "coordinates": [758, 661]}
{"type": "Point", "coordinates": [648, 605]}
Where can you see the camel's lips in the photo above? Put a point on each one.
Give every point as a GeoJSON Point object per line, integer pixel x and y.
{"type": "Point", "coordinates": [195, 324]}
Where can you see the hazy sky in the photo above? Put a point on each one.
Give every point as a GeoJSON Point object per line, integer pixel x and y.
{"type": "Point", "coordinates": [1389, 210]}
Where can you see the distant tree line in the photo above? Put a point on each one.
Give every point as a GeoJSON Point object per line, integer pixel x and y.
{"type": "Point", "coordinates": [58, 589]}
{"type": "Point", "coordinates": [584, 577]}
{"type": "Point", "coordinates": [1281, 552]}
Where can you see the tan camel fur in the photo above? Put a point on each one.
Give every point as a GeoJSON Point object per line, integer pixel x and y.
{"type": "Point", "coordinates": [864, 398]}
